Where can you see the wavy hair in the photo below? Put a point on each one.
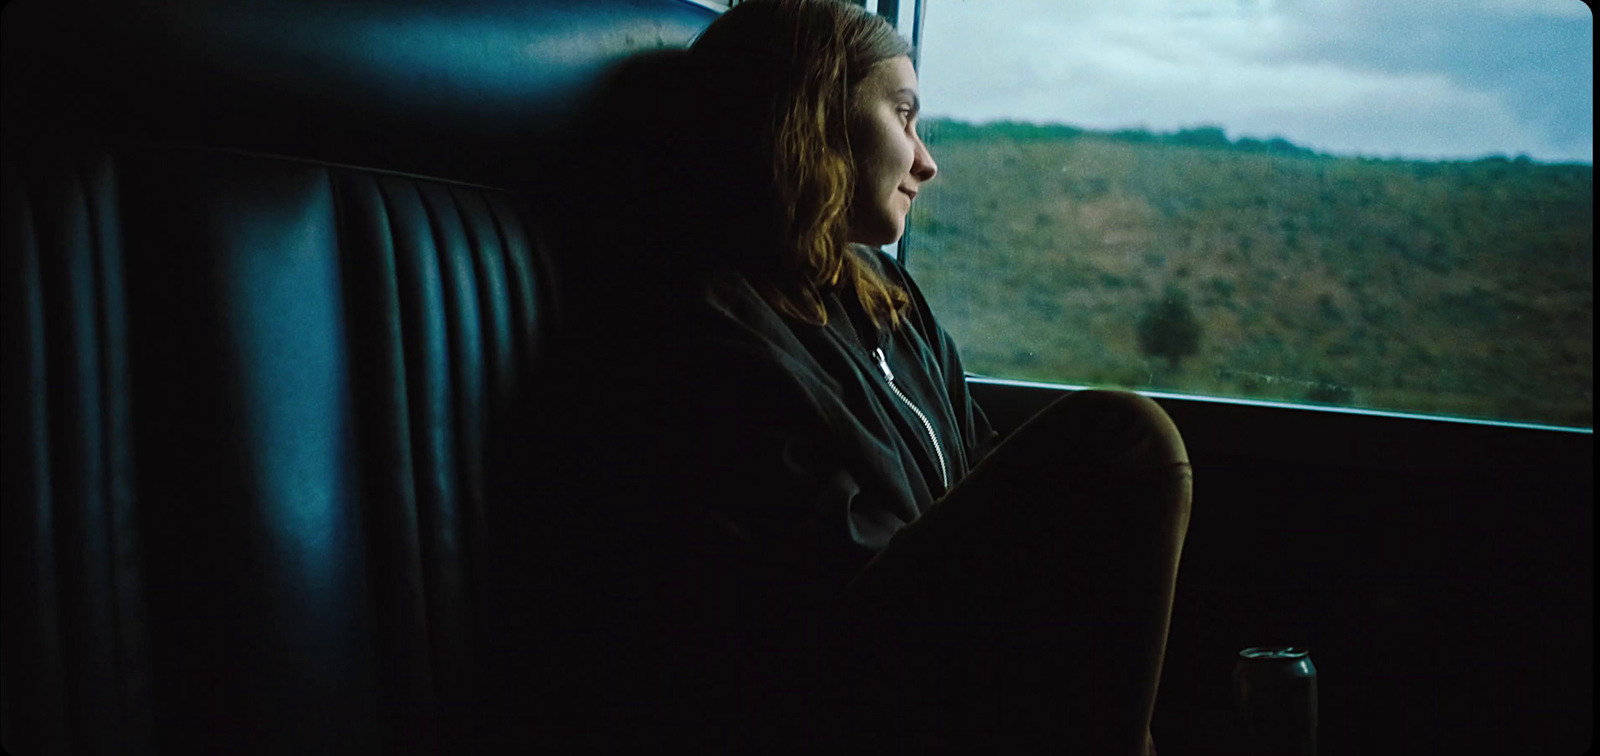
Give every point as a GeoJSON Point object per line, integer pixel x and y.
{"type": "Point", "coordinates": [780, 75]}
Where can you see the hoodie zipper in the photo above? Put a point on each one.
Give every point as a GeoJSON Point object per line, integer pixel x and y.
{"type": "Point", "coordinates": [938, 451]}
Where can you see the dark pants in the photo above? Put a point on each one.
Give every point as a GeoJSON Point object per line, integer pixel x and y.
{"type": "Point", "coordinates": [1028, 610]}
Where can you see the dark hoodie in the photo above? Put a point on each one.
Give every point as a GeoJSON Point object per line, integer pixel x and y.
{"type": "Point", "coordinates": [726, 472]}
{"type": "Point", "coordinates": [798, 438]}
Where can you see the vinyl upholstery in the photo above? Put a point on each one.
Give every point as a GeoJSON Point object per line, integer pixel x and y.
{"type": "Point", "coordinates": [277, 277]}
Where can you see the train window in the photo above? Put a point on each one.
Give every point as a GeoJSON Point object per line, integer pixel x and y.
{"type": "Point", "coordinates": [1372, 205]}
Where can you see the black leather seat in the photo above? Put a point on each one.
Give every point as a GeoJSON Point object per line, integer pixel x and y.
{"type": "Point", "coordinates": [278, 275]}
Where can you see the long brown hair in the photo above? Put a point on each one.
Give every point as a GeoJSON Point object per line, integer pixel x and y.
{"type": "Point", "coordinates": [785, 70]}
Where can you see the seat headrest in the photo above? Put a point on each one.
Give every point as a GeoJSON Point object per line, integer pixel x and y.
{"type": "Point", "coordinates": [464, 89]}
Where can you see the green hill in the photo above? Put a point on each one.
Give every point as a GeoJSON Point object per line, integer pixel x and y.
{"type": "Point", "coordinates": [1459, 288]}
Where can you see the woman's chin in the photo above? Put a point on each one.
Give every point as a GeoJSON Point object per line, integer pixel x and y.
{"type": "Point", "coordinates": [880, 237]}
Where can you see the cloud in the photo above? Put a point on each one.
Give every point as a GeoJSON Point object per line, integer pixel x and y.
{"type": "Point", "coordinates": [1353, 77]}
{"type": "Point", "coordinates": [1569, 9]}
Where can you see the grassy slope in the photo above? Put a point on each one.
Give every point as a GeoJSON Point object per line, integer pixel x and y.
{"type": "Point", "coordinates": [1463, 289]}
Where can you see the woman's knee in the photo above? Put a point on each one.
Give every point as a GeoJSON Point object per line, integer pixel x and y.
{"type": "Point", "coordinates": [1143, 453]}
{"type": "Point", "coordinates": [1115, 429]}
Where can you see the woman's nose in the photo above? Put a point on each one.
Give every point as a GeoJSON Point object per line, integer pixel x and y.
{"type": "Point", "coordinates": [923, 166]}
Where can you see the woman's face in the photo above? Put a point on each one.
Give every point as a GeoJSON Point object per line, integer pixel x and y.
{"type": "Point", "coordinates": [891, 162]}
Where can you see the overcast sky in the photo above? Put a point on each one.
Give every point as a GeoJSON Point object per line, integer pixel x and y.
{"type": "Point", "coordinates": [1422, 79]}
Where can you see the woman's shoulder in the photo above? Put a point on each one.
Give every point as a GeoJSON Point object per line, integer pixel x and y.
{"type": "Point", "coordinates": [719, 318]}
{"type": "Point", "coordinates": [727, 297]}
{"type": "Point", "coordinates": [725, 305]}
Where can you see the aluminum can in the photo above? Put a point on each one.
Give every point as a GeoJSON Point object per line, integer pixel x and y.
{"type": "Point", "coordinates": [1275, 700]}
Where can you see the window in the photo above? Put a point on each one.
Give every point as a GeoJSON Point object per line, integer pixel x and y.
{"type": "Point", "coordinates": [1366, 204]}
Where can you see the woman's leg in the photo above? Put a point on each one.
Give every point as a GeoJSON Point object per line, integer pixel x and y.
{"type": "Point", "coordinates": [1030, 607]}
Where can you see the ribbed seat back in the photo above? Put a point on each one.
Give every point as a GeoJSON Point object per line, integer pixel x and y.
{"type": "Point", "coordinates": [248, 401]}
{"type": "Point", "coordinates": [254, 378]}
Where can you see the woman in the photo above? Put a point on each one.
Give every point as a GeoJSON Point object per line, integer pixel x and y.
{"type": "Point", "coordinates": [778, 460]}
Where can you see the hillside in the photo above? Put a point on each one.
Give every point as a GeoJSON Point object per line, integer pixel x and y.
{"type": "Point", "coordinates": [1457, 288]}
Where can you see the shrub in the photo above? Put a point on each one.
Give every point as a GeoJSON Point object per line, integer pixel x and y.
{"type": "Point", "coordinates": [1168, 329]}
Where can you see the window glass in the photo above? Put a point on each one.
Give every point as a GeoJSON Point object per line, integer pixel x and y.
{"type": "Point", "coordinates": [1375, 204]}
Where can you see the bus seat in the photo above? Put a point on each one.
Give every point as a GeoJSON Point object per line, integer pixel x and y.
{"type": "Point", "coordinates": [276, 274]}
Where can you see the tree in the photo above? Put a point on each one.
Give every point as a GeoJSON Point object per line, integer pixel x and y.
{"type": "Point", "coordinates": [1168, 328]}
{"type": "Point", "coordinates": [1204, 136]}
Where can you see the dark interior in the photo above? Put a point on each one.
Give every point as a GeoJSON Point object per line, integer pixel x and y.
{"type": "Point", "coordinates": [283, 279]}
{"type": "Point", "coordinates": [1440, 574]}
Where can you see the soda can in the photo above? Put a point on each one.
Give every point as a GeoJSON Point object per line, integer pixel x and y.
{"type": "Point", "coordinates": [1275, 698]}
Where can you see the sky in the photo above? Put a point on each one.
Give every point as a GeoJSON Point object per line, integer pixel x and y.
{"type": "Point", "coordinates": [1414, 79]}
